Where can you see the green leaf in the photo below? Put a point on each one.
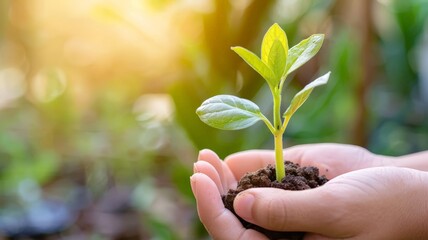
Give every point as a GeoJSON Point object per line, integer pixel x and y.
{"type": "Point", "coordinates": [256, 64]}
{"type": "Point", "coordinates": [303, 52]}
{"type": "Point", "coordinates": [277, 60]}
{"type": "Point", "coordinates": [228, 112]}
{"type": "Point", "coordinates": [275, 33]}
{"type": "Point", "coordinates": [303, 95]}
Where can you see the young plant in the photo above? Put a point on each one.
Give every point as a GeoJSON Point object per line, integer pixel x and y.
{"type": "Point", "coordinates": [277, 61]}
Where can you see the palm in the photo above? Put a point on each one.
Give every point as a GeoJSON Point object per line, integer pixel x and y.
{"type": "Point", "coordinates": [335, 159]}
{"type": "Point", "coordinates": [331, 159]}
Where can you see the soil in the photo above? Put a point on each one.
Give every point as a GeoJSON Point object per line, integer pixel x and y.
{"type": "Point", "coordinates": [297, 178]}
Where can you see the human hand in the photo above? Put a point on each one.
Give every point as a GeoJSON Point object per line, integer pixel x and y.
{"type": "Point", "coordinates": [330, 158]}
{"type": "Point", "coordinates": [373, 203]}
{"type": "Point", "coordinates": [214, 177]}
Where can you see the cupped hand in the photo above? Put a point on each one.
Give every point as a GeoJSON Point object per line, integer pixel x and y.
{"type": "Point", "coordinates": [373, 203]}
{"type": "Point", "coordinates": [213, 177]}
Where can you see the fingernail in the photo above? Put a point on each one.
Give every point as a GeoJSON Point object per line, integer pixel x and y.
{"type": "Point", "coordinates": [195, 168]}
{"type": "Point", "coordinates": [193, 185]}
{"type": "Point", "coordinates": [243, 205]}
{"type": "Point", "coordinates": [200, 153]}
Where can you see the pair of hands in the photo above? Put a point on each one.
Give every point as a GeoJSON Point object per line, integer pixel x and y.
{"type": "Point", "coordinates": [366, 198]}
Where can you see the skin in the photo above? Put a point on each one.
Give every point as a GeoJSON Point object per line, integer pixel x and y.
{"type": "Point", "coordinates": [368, 197]}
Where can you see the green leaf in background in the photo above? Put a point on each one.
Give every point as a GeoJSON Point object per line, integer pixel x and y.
{"type": "Point", "coordinates": [301, 96]}
{"type": "Point", "coordinates": [277, 60]}
{"type": "Point", "coordinates": [274, 33]}
{"type": "Point", "coordinates": [303, 52]}
{"type": "Point", "coordinates": [254, 61]}
{"type": "Point", "coordinates": [228, 112]}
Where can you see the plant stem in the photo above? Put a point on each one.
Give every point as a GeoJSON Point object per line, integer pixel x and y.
{"type": "Point", "coordinates": [277, 110]}
{"type": "Point", "coordinates": [279, 158]}
{"type": "Point", "coordinates": [279, 155]}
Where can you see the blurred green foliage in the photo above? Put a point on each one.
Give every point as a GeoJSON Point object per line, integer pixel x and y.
{"type": "Point", "coordinates": [97, 111]}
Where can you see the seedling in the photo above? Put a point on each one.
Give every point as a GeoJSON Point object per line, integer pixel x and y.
{"type": "Point", "coordinates": [277, 61]}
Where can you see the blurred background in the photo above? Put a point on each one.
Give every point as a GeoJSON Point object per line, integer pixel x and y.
{"type": "Point", "coordinates": [98, 131]}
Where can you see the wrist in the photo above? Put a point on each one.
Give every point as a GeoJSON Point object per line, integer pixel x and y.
{"type": "Point", "coordinates": [384, 161]}
{"type": "Point", "coordinates": [418, 161]}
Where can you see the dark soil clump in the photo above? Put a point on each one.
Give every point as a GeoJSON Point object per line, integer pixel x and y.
{"type": "Point", "coordinates": [297, 178]}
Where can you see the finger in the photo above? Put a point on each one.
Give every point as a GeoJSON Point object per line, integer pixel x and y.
{"type": "Point", "coordinates": [219, 222]}
{"type": "Point", "coordinates": [308, 211]}
{"type": "Point", "coordinates": [210, 171]}
{"type": "Point", "coordinates": [227, 179]}
{"type": "Point", "coordinates": [249, 161]}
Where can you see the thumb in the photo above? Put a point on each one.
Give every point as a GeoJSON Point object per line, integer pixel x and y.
{"type": "Point", "coordinates": [309, 210]}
